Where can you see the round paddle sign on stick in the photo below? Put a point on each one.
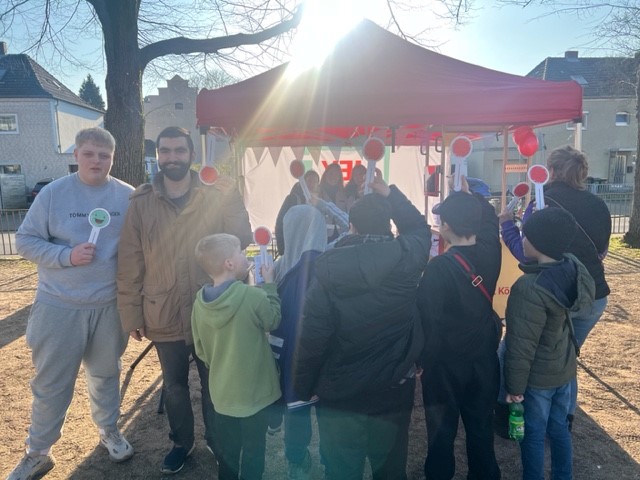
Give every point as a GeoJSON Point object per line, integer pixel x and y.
{"type": "Point", "coordinates": [539, 175]}
{"type": "Point", "coordinates": [262, 237]}
{"type": "Point", "coordinates": [98, 219]}
{"type": "Point", "coordinates": [519, 191]}
{"type": "Point", "coordinates": [372, 151]}
{"type": "Point", "coordinates": [297, 171]}
{"type": "Point", "coordinates": [460, 149]}
{"type": "Point", "coordinates": [208, 174]}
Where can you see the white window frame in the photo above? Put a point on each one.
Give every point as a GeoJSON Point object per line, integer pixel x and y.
{"type": "Point", "coordinates": [15, 121]}
{"type": "Point", "coordinates": [625, 123]}
{"type": "Point", "coordinates": [585, 122]}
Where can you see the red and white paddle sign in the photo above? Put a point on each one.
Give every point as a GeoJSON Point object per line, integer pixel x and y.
{"type": "Point", "coordinates": [208, 174]}
{"type": "Point", "coordinates": [262, 237]}
{"type": "Point", "coordinates": [373, 151]}
{"type": "Point", "coordinates": [297, 171]}
{"type": "Point", "coordinates": [519, 191]}
{"type": "Point", "coordinates": [460, 150]}
{"type": "Point", "coordinates": [539, 175]}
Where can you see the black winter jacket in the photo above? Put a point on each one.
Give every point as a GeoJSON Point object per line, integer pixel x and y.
{"type": "Point", "coordinates": [456, 317]}
{"type": "Point", "coordinates": [361, 330]}
{"type": "Point", "coordinates": [593, 216]}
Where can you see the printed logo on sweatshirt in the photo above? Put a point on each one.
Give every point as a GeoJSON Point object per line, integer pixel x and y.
{"type": "Point", "coordinates": [85, 215]}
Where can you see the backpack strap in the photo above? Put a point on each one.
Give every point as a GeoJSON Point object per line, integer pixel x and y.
{"type": "Point", "coordinates": [476, 280]}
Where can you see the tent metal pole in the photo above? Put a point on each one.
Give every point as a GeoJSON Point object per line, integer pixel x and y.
{"type": "Point", "coordinates": [505, 159]}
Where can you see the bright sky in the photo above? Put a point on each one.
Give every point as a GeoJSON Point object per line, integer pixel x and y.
{"type": "Point", "coordinates": [509, 39]}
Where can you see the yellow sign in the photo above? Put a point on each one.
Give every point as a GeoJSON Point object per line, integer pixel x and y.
{"type": "Point", "coordinates": [509, 273]}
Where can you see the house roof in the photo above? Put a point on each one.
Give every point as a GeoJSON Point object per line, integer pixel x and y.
{"type": "Point", "coordinates": [600, 77]}
{"type": "Point", "coordinates": [22, 77]}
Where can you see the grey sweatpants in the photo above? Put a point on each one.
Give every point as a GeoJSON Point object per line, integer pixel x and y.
{"type": "Point", "coordinates": [60, 340]}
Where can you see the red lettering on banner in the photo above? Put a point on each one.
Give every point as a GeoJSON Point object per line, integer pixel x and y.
{"type": "Point", "coordinates": [504, 290]}
{"type": "Point", "coordinates": [346, 166]}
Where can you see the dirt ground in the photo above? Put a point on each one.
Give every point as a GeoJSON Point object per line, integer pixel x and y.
{"type": "Point", "coordinates": [606, 431]}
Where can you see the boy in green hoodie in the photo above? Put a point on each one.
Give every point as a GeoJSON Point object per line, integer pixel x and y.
{"type": "Point", "coordinates": [540, 359]}
{"type": "Point", "coordinates": [229, 322]}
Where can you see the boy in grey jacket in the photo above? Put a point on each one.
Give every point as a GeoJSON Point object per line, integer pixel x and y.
{"type": "Point", "coordinates": [541, 349]}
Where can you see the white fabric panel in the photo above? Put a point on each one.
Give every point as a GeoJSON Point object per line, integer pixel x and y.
{"type": "Point", "coordinates": [266, 185]}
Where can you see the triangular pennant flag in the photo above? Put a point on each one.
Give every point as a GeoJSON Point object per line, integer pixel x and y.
{"type": "Point", "coordinates": [298, 152]}
{"type": "Point", "coordinates": [315, 154]}
{"type": "Point", "coordinates": [335, 151]}
{"type": "Point", "coordinates": [258, 152]}
{"type": "Point", "coordinates": [275, 154]}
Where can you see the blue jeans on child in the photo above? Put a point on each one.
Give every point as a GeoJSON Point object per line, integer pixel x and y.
{"type": "Point", "coordinates": [545, 414]}
{"type": "Point", "coordinates": [583, 321]}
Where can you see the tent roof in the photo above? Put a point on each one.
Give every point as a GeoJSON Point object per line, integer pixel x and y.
{"type": "Point", "coordinates": [374, 81]}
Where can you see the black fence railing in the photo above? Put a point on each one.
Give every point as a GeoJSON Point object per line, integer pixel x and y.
{"type": "Point", "coordinates": [619, 199]}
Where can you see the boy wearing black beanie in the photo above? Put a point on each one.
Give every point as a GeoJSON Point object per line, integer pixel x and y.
{"type": "Point", "coordinates": [540, 359]}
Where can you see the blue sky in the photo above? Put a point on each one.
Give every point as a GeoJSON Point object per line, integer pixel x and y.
{"type": "Point", "coordinates": [509, 39]}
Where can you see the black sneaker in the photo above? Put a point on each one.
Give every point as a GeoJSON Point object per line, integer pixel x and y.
{"type": "Point", "coordinates": [174, 461]}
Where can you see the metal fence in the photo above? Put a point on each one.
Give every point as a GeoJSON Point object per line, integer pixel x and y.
{"type": "Point", "coordinates": [10, 220]}
{"type": "Point", "coordinates": [618, 198]}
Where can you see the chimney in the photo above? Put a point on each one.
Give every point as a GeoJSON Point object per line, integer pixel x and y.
{"type": "Point", "coordinates": [571, 55]}
{"type": "Point", "coordinates": [3, 48]}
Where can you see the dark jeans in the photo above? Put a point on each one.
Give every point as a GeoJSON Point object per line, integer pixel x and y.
{"type": "Point", "coordinates": [246, 435]}
{"type": "Point", "coordinates": [297, 433]}
{"type": "Point", "coordinates": [348, 437]}
{"type": "Point", "coordinates": [174, 361]}
{"type": "Point", "coordinates": [461, 389]}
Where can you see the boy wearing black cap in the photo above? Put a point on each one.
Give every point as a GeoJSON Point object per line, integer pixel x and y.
{"type": "Point", "coordinates": [540, 359]}
{"type": "Point", "coordinates": [461, 373]}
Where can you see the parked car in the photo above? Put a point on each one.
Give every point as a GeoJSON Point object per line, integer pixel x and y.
{"type": "Point", "coordinates": [36, 189]}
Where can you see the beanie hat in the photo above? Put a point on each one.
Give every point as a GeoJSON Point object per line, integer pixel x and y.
{"type": "Point", "coordinates": [371, 215]}
{"type": "Point", "coordinates": [550, 231]}
{"type": "Point", "coordinates": [462, 212]}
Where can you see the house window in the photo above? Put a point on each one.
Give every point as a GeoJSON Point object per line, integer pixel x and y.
{"type": "Point", "coordinates": [585, 121]}
{"type": "Point", "coordinates": [622, 119]}
{"type": "Point", "coordinates": [8, 123]}
{"type": "Point", "coordinates": [179, 106]}
{"type": "Point", "coordinates": [10, 169]}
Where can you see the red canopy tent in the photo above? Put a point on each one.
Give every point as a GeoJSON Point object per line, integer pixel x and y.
{"type": "Point", "coordinates": [376, 81]}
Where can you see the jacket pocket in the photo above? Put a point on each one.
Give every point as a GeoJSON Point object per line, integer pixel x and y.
{"type": "Point", "coordinates": [161, 312]}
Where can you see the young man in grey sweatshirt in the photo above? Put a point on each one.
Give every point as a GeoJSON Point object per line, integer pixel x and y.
{"type": "Point", "coordinates": [71, 232]}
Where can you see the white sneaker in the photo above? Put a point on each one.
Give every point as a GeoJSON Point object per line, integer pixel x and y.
{"type": "Point", "coordinates": [118, 447]}
{"type": "Point", "coordinates": [32, 466]}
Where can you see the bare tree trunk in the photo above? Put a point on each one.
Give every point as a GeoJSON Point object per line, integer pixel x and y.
{"type": "Point", "coordinates": [124, 117]}
{"type": "Point", "coordinates": [632, 237]}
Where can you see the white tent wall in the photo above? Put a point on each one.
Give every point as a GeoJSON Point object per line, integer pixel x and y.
{"type": "Point", "coordinates": [268, 182]}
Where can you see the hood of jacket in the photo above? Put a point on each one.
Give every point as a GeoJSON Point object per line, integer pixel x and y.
{"type": "Point", "coordinates": [567, 281]}
{"type": "Point", "coordinates": [359, 267]}
{"type": "Point", "coordinates": [220, 311]}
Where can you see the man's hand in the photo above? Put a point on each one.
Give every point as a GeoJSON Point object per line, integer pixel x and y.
{"type": "Point", "coordinates": [464, 185]}
{"type": "Point", "coordinates": [514, 398]}
{"type": "Point", "coordinates": [82, 254]}
{"type": "Point", "coordinates": [267, 273]}
{"type": "Point", "coordinates": [505, 215]}
{"type": "Point", "coordinates": [379, 186]}
{"type": "Point", "coordinates": [224, 184]}
{"type": "Point", "coordinates": [137, 334]}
